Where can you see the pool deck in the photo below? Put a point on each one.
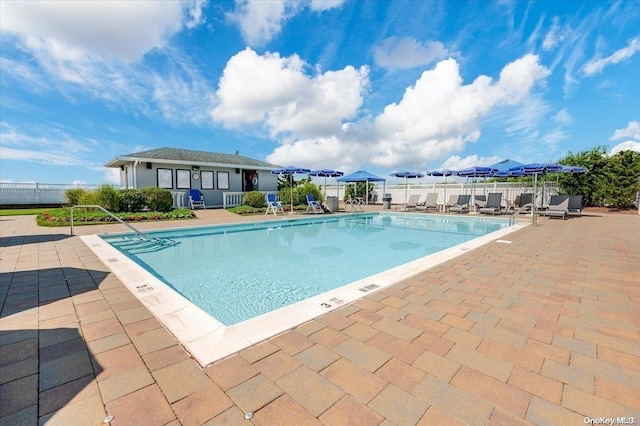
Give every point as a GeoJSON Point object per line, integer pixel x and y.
{"type": "Point", "coordinates": [541, 330]}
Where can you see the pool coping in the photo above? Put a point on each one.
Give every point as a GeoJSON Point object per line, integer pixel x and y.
{"type": "Point", "coordinates": [208, 340]}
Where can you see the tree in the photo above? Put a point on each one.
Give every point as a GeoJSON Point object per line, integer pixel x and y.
{"type": "Point", "coordinates": [590, 185]}
{"type": "Point", "coordinates": [622, 179]}
{"type": "Point", "coordinates": [612, 180]}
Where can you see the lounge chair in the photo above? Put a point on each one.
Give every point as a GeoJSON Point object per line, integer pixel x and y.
{"type": "Point", "coordinates": [494, 204]}
{"type": "Point", "coordinates": [431, 203]}
{"type": "Point", "coordinates": [479, 201]}
{"type": "Point", "coordinates": [273, 205]}
{"type": "Point", "coordinates": [453, 201]}
{"type": "Point", "coordinates": [525, 199]}
{"type": "Point", "coordinates": [558, 207]}
{"type": "Point", "coordinates": [462, 205]}
{"type": "Point", "coordinates": [313, 206]}
{"type": "Point", "coordinates": [575, 204]}
{"type": "Point", "coordinates": [411, 203]}
{"type": "Point", "coordinates": [196, 199]}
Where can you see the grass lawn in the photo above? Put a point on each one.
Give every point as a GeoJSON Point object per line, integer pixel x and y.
{"type": "Point", "coordinates": [21, 212]}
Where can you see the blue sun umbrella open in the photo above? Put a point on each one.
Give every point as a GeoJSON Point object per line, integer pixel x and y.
{"type": "Point", "coordinates": [290, 170]}
{"type": "Point", "coordinates": [407, 175]}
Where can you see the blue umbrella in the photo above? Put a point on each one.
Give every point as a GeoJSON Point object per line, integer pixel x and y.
{"type": "Point", "coordinates": [477, 171]}
{"type": "Point", "coordinates": [505, 165]}
{"type": "Point", "coordinates": [325, 173]}
{"type": "Point", "coordinates": [507, 174]}
{"type": "Point", "coordinates": [407, 175]}
{"type": "Point", "coordinates": [536, 169]}
{"type": "Point", "coordinates": [445, 173]}
{"type": "Point", "coordinates": [289, 170]}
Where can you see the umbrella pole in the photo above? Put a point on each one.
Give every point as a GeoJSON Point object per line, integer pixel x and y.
{"type": "Point", "coordinates": [291, 187]}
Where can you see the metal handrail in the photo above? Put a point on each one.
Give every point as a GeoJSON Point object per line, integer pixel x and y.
{"type": "Point", "coordinates": [519, 210]}
{"type": "Point", "coordinates": [140, 234]}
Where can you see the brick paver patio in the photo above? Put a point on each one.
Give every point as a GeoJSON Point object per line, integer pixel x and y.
{"type": "Point", "coordinates": [544, 330]}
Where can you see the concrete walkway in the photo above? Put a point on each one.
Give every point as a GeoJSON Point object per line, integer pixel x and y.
{"type": "Point", "coordinates": [544, 330]}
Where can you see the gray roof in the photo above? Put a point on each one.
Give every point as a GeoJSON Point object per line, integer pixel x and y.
{"type": "Point", "coordinates": [172, 155]}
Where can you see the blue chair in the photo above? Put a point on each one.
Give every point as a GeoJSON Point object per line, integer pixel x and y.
{"type": "Point", "coordinates": [313, 205]}
{"type": "Point", "coordinates": [273, 205]}
{"type": "Point", "coordinates": [196, 199]}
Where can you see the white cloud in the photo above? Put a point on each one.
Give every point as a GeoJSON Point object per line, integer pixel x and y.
{"type": "Point", "coordinates": [276, 90]}
{"type": "Point", "coordinates": [455, 162]}
{"type": "Point", "coordinates": [322, 5]}
{"type": "Point", "coordinates": [437, 116]}
{"type": "Point", "coordinates": [91, 29]}
{"type": "Point", "coordinates": [52, 146]}
{"type": "Point", "coordinates": [625, 146]}
{"type": "Point", "coordinates": [554, 36]}
{"type": "Point", "coordinates": [563, 117]}
{"type": "Point", "coordinates": [111, 175]}
{"type": "Point", "coordinates": [407, 52]}
{"type": "Point", "coordinates": [631, 131]}
{"type": "Point", "coordinates": [261, 21]}
{"type": "Point", "coordinates": [595, 66]}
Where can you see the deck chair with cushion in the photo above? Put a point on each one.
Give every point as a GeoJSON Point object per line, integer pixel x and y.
{"type": "Point", "coordinates": [494, 204]}
{"type": "Point", "coordinates": [273, 206]}
{"type": "Point", "coordinates": [462, 205]}
{"type": "Point", "coordinates": [558, 207]}
{"type": "Point", "coordinates": [431, 203]}
{"type": "Point", "coordinates": [313, 206]}
{"type": "Point", "coordinates": [411, 203]}
{"type": "Point", "coordinates": [479, 201]}
{"type": "Point", "coordinates": [575, 204]}
{"type": "Point", "coordinates": [525, 199]}
{"type": "Point", "coordinates": [453, 201]}
{"type": "Point", "coordinates": [196, 199]}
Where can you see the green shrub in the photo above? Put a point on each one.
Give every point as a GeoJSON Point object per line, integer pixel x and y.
{"type": "Point", "coordinates": [254, 199]}
{"type": "Point", "coordinates": [73, 196]}
{"type": "Point", "coordinates": [107, 197]}
{"type": "Point", "coordinates": [88, 198]}
{"type": "Point", "coordinates": [245, 210]}
{"type": "Point", "coordinates": [310, 188]}
{"type": "Point", "coordinates": [131, 200]}
{"type": "Point", "coordinates": [157, 199]}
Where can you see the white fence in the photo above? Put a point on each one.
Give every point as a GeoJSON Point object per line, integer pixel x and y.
{"type": "Point", "coordinates": [47, 193]}
{"type": "Point", "coordinates": [37, 193]}
{"type": "Point", "coordinates": [509, 191]}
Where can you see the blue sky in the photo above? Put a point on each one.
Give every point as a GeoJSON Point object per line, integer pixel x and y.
{"type": "Point", "coordinates": [374, 85]}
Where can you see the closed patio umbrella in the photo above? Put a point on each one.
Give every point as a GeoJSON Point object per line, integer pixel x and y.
{"type": "Point", "coordinates": [290, 170]}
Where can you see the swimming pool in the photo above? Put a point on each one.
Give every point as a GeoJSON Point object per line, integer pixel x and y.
{"type": "Point", "coordinates": [246, 281]}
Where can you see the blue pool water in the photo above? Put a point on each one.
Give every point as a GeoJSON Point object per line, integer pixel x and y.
{"type": "Point", "coordinates": [238, 272]}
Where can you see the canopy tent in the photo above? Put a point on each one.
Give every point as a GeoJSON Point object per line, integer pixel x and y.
{"type": "Point", "coordinates": [361, 176]}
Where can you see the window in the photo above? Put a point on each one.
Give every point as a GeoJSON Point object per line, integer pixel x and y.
{"type": "Point", "coordinates": [165, 178]}
{"type": "Point", "coordinates": [183, 179]}
{"type": "Point", "coordinates": [223, 180]}
{"type": "Point", "coordinates": [206, 181]}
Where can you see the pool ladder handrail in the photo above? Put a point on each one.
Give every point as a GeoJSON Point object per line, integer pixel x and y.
{"type": "Point", "coordinates": [142, 235]}
{"type": "Point", "coordinates": [519, 210]}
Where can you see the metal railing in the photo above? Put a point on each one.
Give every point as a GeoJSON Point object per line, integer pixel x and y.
{"type": "Point", "coordinates": [519, 210]}
{"type": "Point", "coordinates": [138, 233]}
